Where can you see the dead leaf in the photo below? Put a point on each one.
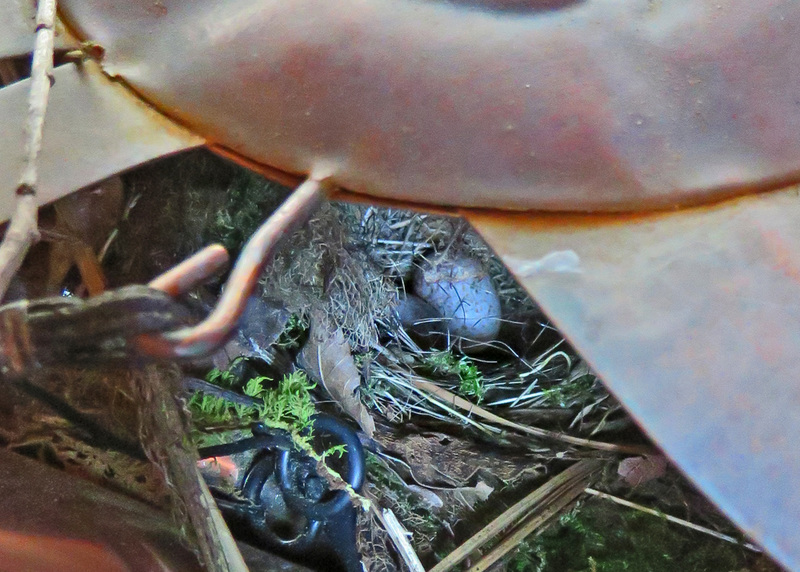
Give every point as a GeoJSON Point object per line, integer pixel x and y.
{"type": "Point", "coordinates": [327, 359]}
{"type": "Point", "coordinates": [431, 498]}
{"type": "Point", "coordinates": [638, 470]}
{"type": "Point", "coordinates": [84, 221]}
{"type": "Point", "coordinates": [470, 496]}
{"type": "Point", "coordinates": [439, 459]}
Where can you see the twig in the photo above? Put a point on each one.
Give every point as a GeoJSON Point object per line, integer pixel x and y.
{"type": "Point", "coordinates": [399, 537]}
{"type": "Point", "coordinates": [192, 385]}
{"type": "Point", "coordinates": [673, 519]}
{"type": "Point", "coordinates": [23, 230]}
{"type": "Point", "coordinates": [534, 431]}
{"type": "Point", "coordinates": [548, 497]}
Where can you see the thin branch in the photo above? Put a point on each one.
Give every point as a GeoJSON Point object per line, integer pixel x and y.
{"type": "Point", "coordinates": [673, 519]}
{"type": "Point", "coordinates": [164, 434]}
{"type": "Point", "coordinates": [23, 230]}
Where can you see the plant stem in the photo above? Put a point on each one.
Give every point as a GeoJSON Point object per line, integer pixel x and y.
{"type": "Point", "coordinates": [672, 519]}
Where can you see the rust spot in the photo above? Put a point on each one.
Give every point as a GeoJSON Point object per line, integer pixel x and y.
{"type": "Point", "coordinates": [158, 9]}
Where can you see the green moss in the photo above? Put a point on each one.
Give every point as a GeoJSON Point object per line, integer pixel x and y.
{"type": "Point", "coordinates": [470, 379]}
{"type": "Point", "coordinates": [182, 203]}
{"type": "Point", "coordinates": [294, 334]}
{"type": "Point", "coordinates": [288, 406]}
{"type": "Point", "coordinates": [249, 199]}
{"type": "Point", "coordinates": [601, 537]}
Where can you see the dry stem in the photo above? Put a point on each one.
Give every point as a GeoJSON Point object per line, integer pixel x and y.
{"type": "Point", "coordinates": [23, 230]}
{"type": "Point", "coordinates": [399, 537]}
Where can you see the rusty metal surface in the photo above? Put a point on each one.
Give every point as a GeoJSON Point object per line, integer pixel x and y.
{"type": "Point", "coordinates": [87, 527]}
{"type": "Point", "coordinates": [599, 105]}
{"type": "Point", "coordinates": [94, 129]}
{"type": "Point", "coordinates": [693, 320]}
{"type": "Point", "coordinates": [193, 271]}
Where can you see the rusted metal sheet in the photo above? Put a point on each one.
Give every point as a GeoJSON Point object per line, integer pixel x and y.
{"type": "Point", "coordinates": [692, 319]}
{"type": "Point", "coordinates": [52, 521]}
{"type": "Point", "coordinates": [601, 105]}
{"type": "Point", "coordinates": [94, 129]}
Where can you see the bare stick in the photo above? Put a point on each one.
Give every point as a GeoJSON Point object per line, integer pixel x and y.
{"type": "Point", "coordinates": [399, 537]}
{"type": "Point", "coordinates": [673, 519]}
{"type": "Point", "coordinates": [23, 230]}
{"type": "Point", "coordinates": [531, 526]}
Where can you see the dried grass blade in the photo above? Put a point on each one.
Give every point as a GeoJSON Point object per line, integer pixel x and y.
{"type": "Point", "coordinates": [673, 519]}
{"type": "Point", "coordinates": [478, 411]}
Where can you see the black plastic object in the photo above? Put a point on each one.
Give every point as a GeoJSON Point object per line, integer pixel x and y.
{"type": "Point", "coordinates": [288, 507]}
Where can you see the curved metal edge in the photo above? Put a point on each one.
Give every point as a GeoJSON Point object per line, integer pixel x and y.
{"type": "Point", "coordinates": [692, 319]}
{"type": "Point", "coordinates": [95, 128]}
{"type": "Point", "coordinates": [600, 106]}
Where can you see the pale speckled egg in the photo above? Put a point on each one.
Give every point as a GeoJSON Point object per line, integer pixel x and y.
{"type": "Point", "coordinates": [461, 290]}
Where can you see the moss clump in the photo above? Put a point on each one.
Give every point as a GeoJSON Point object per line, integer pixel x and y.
{"type": "Point", "coordinates": [601, 537]}
{"type": "Point", "coordinates": [445, 363]}
{"type": "Point", "coordinates": [179, 204]}
{"type": "Point", "coordinates": [295, 334]}
{"type": "Point", "coordinates": [288, 406]}
{"type": "Point", "coordinates": [248, 201]}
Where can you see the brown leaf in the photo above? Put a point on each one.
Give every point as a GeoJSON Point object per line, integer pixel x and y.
{"type": "Point", "coordinates": [638, 470]}
{"type": "Point", "coordinates": [84, 221]}
{"type": "Point", "coordinates": [327, 359]}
